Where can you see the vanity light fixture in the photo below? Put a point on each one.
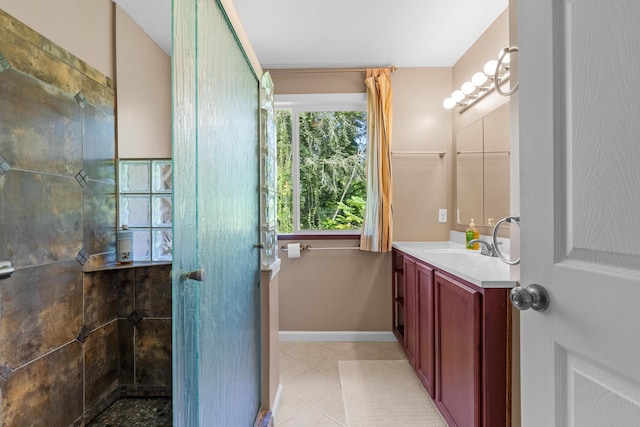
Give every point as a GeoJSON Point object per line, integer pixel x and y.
{"type": "Point", "coordinates": [494, 74]}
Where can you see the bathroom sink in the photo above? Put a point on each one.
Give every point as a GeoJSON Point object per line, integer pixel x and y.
{"type": "Point", "coordinates": [466, 264]}
{"type": "Point", "coordinates": [451, 253]}
{"type": "Point", "coordinates": [490, 262]}
{"type": "Point", "coordinates": [464, 258]}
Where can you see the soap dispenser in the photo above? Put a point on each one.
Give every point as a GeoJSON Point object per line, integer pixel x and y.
{"type": "Point", "coordinates": [471, 234]}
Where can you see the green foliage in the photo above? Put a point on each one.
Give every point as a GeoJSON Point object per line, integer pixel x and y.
{"type": "Point", "coordinates": [332, 169]}
{"type": "Point", "coordinates": [332, 150]}
{"type": "Point", "coordinates": [351, 217]}
{"type": "Point", "coordinates": [284, 159]}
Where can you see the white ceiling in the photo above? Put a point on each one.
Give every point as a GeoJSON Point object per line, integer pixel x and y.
{"type": "Point", "coordinates": [336, 33]}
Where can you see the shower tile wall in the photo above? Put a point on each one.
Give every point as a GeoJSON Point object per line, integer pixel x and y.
{"type": "Point", "coordinates": [144, 324]}
{"type": "Point", "coordinates": [67, 344]}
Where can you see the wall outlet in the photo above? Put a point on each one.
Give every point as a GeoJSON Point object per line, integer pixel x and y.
{"type": "Point", "coordinates": [442, 215]}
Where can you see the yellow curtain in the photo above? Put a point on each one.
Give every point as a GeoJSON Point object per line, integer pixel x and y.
{"type": "Point", "coordinates": [378, 227]}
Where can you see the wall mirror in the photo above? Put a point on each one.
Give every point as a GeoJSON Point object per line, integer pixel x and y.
{"type": "Point", "coordinates": [482, 165]}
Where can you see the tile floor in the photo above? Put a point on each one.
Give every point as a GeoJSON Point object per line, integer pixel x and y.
{"type": "Point", "coordinates": [138, 412]}
{"type": "Point", "coordinates": [311, 393]}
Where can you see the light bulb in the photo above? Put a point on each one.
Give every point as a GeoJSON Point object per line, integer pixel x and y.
{"type": "Point", "coordinates": [468, 88]}
{"type": "Point", "coordinates": [490, 67]}
{"type": "Point", "coordinates": [479, 79]}
{"type": "Point", "coordinates": [507, 55]}
{"type": "Point", "coordinates": [449, 103]}
{"type": "Point", "coordinates": [457, 95]}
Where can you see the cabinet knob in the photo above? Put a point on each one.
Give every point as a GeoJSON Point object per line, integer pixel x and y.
{"type": "Point", "coordinates": [533, 296]}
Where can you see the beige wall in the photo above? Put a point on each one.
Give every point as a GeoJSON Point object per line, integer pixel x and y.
{"type": "Point", "coordinates": [270, 340]}
{"type": "Point", "coordinates": [102, 35]}
{"type": "Point", "coordinates": [307, 81]}
{"type": "Point", "coordinates": [84, 28]}
{"type": "Point", "coordinates": [421, 183]}
{"type": "Point", "coordinates": [316, 289]}
{"type": "Point", "coordinates": [350, 290]}
{"type": "Point", "coordinates": [331, 290]}
{"type": "Point", "coordinates": [143, 92]}
{"type": "Point", "coordinates": [335, 290]}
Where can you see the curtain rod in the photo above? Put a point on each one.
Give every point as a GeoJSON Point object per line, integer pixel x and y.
{"type": "Point", "coordinates": [392, 68]}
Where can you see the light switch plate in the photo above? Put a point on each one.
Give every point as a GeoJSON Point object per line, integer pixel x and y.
{"type": "Point", "coordinates": [442, 215]}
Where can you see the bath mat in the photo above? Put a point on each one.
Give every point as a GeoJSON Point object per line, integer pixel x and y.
{"type": "Point", "coordinates": [381, 393]}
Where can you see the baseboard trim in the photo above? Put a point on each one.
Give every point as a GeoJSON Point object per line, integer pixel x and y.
{"type": "Point", "coordinates": [386, 336]}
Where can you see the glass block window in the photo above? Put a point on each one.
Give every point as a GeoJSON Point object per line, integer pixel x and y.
{"type": "Point", "coordinates": [146, 205]}
{"type": "Point", "coordinates": [268, 175]}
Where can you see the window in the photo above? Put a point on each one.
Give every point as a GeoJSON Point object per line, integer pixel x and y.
{"type": "Point", "coordinates": [321, 148]}
{"type": "Point", "coordinates": [145, 206]}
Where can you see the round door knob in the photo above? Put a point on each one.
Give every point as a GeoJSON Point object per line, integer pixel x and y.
{"type": "Point", "coordinates": [533, 296]}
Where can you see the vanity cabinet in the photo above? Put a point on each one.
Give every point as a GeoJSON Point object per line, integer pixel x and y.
{"type": "Point", "coordinates": [413, 315]}
{"type": "Point", "coordinates": [398, 312]}
{"type": "Point", "coordinates": [458, 351]}
{"type": "Point", "coordinates": [425, 359]}
{"type": "Point", "coordinates": [411, 310]}
{"type": "Point", "coordinates": [405, 304]}
{"type": "Point", "coordinates": [457, 337]}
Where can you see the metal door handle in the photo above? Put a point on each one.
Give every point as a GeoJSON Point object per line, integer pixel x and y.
{"type": "Point", "coordinates": [533, 296]}
{"type": "Point", "coordinates": [197, 275]}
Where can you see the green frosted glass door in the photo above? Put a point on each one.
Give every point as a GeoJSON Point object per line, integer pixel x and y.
{"type": "Point", "coordinates": [216, 330]}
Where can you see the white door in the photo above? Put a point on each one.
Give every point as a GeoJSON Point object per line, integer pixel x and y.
{"type": "Point", "coordinates": [579, 68]}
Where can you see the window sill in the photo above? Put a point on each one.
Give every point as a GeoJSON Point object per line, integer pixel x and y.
{"type": "Point", "coordinates": [317, 235]}
{"type": "Point", "coordinates": [116, 266]}
{"type": "Point", "coordinates": [107, 261]}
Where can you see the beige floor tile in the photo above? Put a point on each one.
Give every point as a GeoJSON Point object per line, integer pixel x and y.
{"type": "Point", "coordinates": [330, 369]}
{"type": "Point", "coordinates": [385, 350]}
{"type": "Point", "coordinates": [375, 351]}
{"type": "Point", "coordinates": [313, 354]}
{"type": "Point", "coordinates": [312, 395]}
{"type": "Point", "coordinates": [288, 406]}
{"type": "Point", "coordinates": [291, 367]}
{"type": "Point", "coordinates": [309, 417]}
{"type": "Point", "coordinates": [313, 386]}
{"type": "Point", "coordinates": [288, 346]}
{"type": "Point", "coordinates": [340, 347]}
{"type": "Point", "coordinates": [333, 406]}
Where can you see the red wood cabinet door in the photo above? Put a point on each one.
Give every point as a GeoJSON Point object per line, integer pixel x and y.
{"type": "Point", "coordinates": [397, 290]}
{"type": "Point", "coordinates": [458, 337]}
{"type": "Point", "coordinates": [410, 310]}
{"type": "Point", "coordinates": [425, 362]}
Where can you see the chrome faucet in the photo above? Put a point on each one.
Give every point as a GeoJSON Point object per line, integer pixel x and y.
{"type": "Point", "coordinates": [486, 248]}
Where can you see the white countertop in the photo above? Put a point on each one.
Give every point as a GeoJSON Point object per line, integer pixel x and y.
{"type": "Point", "coordinates": [481, 270]}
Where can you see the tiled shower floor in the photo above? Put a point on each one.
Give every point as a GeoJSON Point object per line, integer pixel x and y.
{"type": "Point", "coordinates": [136, 412]}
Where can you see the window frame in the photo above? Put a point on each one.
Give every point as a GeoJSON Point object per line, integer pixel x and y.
{"type": "Point", "coordinates": [314, 102]}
